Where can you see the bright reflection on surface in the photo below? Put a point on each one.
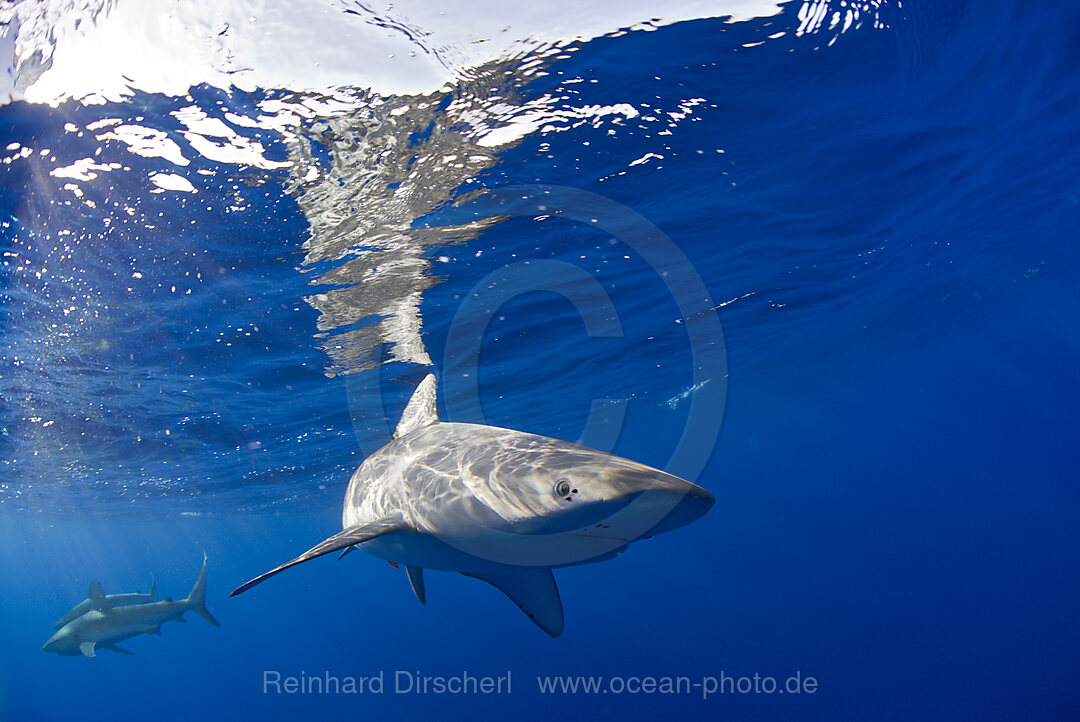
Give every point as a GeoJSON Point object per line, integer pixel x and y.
{"type": "Point", "coordinates": [98, 50]}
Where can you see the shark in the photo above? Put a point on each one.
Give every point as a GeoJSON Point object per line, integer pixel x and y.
{"type": "Point", "coordinates": [502, 506]}
{"type": "Point", "coordinates": [97, 599]}
{"type": "Point", "coordinates": [105, 625]}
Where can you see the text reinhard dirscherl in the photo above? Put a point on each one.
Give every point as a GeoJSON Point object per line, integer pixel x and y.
{"type": "Point", "coordinates": [401, 682]}
{"type": "Point", "coordinates": [415, 682]}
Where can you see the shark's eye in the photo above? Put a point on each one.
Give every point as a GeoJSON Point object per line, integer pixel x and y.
{"type": "Point", "coordinates": [562, 487]}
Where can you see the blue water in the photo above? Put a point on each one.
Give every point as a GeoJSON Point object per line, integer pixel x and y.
{"type": "Point", "coordinates": [887, 230]}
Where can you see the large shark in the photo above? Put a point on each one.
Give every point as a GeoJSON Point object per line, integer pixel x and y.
{"type": "Point", "coordinates": [500, 505]}
{"type": "Point", "coordinates": [97, 599]}
{"type": "Point", "coordinates": [105, 626]}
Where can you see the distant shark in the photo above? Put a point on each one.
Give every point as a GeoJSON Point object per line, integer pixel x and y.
{"type": "Point", "coordinates": [104, 626]}
{"type": "Point", "coordinates": [97, 599]}
{"type": "Point", "coordinates": [500, 505]}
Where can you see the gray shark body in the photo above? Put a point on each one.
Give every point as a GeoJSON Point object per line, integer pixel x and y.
{"type": "Point", "coordinates": [104, 628]}
{"type": "Point", "coordinates": [500, 505]}
{"type": "Point", "coordinates": [96, 599]}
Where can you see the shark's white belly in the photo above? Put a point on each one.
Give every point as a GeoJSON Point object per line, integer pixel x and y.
{"type": "Point", "coordinates": [476, 554]}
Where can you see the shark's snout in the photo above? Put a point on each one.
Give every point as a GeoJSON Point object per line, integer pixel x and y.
{"type": "Point", "coordinates": [651, 502]}
{"type": "Point", "coordinates": [683, 503]}
{"type": "Point", "coordinates": [53, 644]}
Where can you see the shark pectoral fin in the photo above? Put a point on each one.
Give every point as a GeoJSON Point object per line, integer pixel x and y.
{"type": "Point", "coordinates": [114, 648]}
{"type": "Point", "coordinates": [356, 534]}
{"type": "Point", "coordinates": [87, 648]}
{"type": "Point", "coordinates": [533, 589]}
{"type": "Point", "coordinates": [416, 580]}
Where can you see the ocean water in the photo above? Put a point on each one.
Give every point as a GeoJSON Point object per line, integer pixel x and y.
{"type": "Point", "coordinates": [820, 258]}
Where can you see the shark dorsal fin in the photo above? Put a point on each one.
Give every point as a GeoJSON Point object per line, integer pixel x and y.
{"type": "Point", "coordinates": [96, 595]}
{"type": "Point", "coordinates": [533, 590]}
{"type": "Point", "coordinates": [421, 410]}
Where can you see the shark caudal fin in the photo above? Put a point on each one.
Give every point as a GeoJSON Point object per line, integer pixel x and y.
{"type": "Point", "coordinates": [196, 601]}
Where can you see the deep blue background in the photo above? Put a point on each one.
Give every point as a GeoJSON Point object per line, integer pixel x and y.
{"type": "Point", "coordinates": [896, 478]}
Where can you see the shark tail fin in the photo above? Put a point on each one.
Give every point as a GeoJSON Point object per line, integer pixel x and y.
{"type": "Point", "coordinates": [197, 599]}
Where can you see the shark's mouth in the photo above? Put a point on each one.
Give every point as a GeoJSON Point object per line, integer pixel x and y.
{"type": "Point", "coordinates": [589, 533]}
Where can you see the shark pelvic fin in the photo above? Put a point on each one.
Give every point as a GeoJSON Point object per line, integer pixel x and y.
{"type": "Point", "coordinates": [87, 648]}
{"type": "Point", "coordinates": [533, 589]}
{"type": "Point", "coordinates": [355, 534]}
{"type": "Point", "coordinates": [345, 551]}
{"type": "Point", "coordinates": [421, 410]}
{"type": "Point", "coordinates": [416, 580]}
